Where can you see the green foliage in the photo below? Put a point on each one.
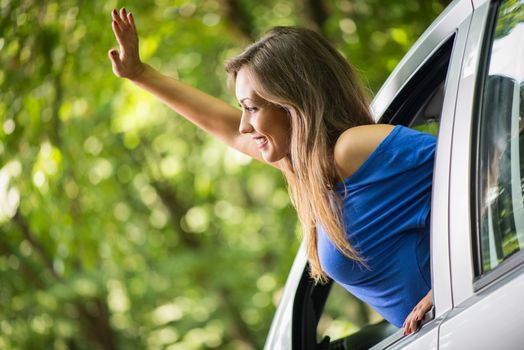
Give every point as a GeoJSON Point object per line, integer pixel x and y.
{"type": "Point", "coordinates": [122, 226]}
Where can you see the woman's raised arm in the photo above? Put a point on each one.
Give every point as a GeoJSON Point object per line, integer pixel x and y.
{"type": "Point", "coordinates": [207, 112]}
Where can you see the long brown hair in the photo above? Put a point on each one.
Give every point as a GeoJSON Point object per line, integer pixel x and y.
{"type": "Point", "coordinates": [300, 71]}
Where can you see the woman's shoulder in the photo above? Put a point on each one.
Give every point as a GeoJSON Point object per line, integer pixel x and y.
{"type": "Point", "coordinates": [356, 144]}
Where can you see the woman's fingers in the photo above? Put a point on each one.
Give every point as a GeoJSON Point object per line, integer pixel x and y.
{"type": "Point", "coordinates": [118, 34]}
{"type": "Point", "coordinates": [115, 61]}
{"type": "Point", "coordinates": [123, 16]}
{"type": "Point", "coordinates": [124, 21]}
{"type": "Point", "coordinates": [116, 28]}
{"type": "Point", "coordinates": [124, 29]}
{"type": "Point", "coordinates": [415, 316]}
{"type": "Point", "coordinates": [409, 324]}
{"type": "Point", "coordinates": [117, 18]}
{"type": "Point", "coordinates": [408, 331]}
{"type": "Point", "coordinates": [414, 325]}
{"type": "Point", "coordinates": [113, 56]}
{"type": "Point", "coordinates": [412, 321]}
{"type": "Point", "coordinates": [126, 62]}
{"type": "Point", "coordinates": [131, 21]}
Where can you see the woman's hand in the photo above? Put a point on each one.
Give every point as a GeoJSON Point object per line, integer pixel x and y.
{"type": "Point", "coordinates": [126, 63]}
{"type": "Point", "coordinates": [412, 321]}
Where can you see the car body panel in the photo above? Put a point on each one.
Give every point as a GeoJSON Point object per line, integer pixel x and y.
{"type": "Point", "coordinates": [440, 261]}
{"type": "Point", "coordinates": [479, 3]}
{"type": "Point", "coordinates": [459, 205]}
{"type": "Point", "coordinates": [488, 319]}
{"type": "Point", "coordinates": [426, 338]}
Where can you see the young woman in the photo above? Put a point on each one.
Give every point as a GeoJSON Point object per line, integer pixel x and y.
{"type": "Point", "coordinates": [362, 190]}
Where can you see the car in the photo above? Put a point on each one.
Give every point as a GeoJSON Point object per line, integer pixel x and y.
{"type": "Point", "coordinates": [462, 81]}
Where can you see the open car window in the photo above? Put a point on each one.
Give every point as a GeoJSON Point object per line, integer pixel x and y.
{"type": "Point", "coordinates": [327, 315]}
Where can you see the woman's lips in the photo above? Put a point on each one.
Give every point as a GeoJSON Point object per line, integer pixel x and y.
{"type": "Point", "coordinates": [261, 142]}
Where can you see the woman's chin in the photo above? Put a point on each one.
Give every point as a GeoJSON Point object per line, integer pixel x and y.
{"type": "Point", "coordinates": [272, 157]}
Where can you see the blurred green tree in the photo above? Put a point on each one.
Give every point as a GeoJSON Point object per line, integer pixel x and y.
{"type": "Point", "coordinates": [122, 226]}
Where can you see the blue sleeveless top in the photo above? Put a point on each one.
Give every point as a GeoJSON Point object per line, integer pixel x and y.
{"type": "Point", "coordinates": [386, 216]}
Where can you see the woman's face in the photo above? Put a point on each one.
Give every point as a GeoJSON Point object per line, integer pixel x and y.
{"type": "Point", "coordinates": [267, 123]}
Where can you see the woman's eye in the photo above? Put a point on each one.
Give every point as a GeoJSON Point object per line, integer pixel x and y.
{"type": "Point", "coordinates": [251, 109]}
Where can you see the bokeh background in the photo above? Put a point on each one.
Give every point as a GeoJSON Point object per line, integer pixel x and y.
{"type": "Point", "coordinates": [123, 226]}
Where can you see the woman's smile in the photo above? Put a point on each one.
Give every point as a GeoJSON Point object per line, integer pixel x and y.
{"type": "Point", "coordinates": [261, 141]}
{"type": "Point", "coordinates": [267, 123]}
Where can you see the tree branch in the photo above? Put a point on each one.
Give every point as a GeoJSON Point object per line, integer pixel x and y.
{"type": "Point", "coordinates": [56, 124]}
{"type": "Point", "coordinates": [176, 212]}
{"type": "Point", "coordinates": [316, 14]}
{"type": "Point", "coordinates": [169, 199]}
{"type": "Point", "coordinates": [238, 19]}
{"type": "Point", "coordinates": [95, 314]}
{"type": "Point", "coordinates": [21, 222]}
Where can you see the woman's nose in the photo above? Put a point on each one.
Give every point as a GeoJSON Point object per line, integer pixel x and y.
{"type": "Point", "coordinates": [245, 126]}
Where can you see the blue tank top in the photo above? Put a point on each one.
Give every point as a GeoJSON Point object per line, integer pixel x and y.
{"type": "Point", "coordinates": [386, 205]}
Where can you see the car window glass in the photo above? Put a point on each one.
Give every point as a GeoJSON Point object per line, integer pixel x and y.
{"type": "Point", "coordinates": [427, 118]}
{"type": "Point", "coordinates": [501, 142]}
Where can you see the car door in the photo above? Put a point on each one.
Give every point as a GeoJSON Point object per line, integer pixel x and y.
{"type": "Point", "coordinates": [420, 93]}
{"type": "Point", "coordinates": [486, 190]}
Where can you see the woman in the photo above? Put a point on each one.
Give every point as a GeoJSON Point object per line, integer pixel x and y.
{"type": "Point", "coordinates": [305, 113]}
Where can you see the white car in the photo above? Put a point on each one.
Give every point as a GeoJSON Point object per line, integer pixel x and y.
{"type": "Point", "coordinates": [463, 81]}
